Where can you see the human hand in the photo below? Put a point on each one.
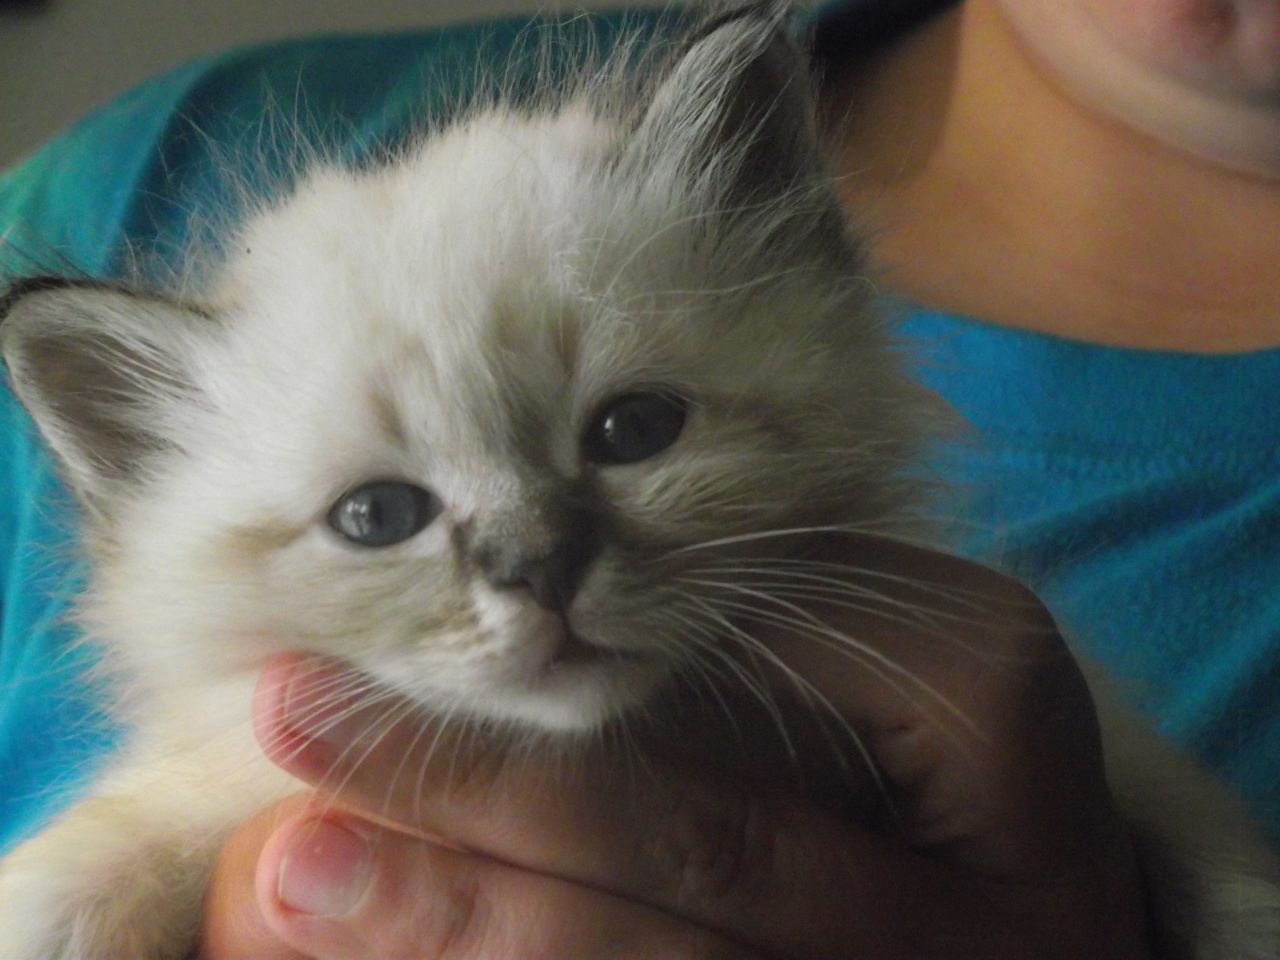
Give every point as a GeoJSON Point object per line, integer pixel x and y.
{"type": "Point", "coordinates": [1008, 847]}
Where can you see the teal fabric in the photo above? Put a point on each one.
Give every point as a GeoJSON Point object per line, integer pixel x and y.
{"type": "Point", "coordinates": [49, 729]}
{"type": "Point", "coordinates": [1138, 492]}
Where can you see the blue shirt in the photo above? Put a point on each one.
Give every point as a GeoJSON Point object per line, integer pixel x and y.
{"type": "Point", "coordinates": [1137, 491]}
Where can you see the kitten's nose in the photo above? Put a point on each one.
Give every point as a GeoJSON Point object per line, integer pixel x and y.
{"type": "Point", "coordinates": [553, 577]}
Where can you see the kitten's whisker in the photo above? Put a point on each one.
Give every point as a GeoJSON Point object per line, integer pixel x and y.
{"type": "Point", "coordinates": [689, 643]}
{"type": "Point", "coordinates": [419, 804]}
{"type": "Point", "coordinates": [802, 623]}
{"type": "Point", "coordinates": [352, 687]}
{"type": "Point", "coordinates": [387, 721]}
{"type": "Point", "coordinates": [632, 751]}
{"type": "Point", "coordinates": [816, 699]}
{"type": "Point", "coordinates": [424, 724]}
{"type": "Point", "coordinates": [821, 584]}
{"type": "Point", "coordinates": [318, 734]}
{"type": "Point", "coordinates": [854, 654]}
{"type": "Point", "coordinates": [755, 535]}
{"type": "Point", "coordinates": [761, 693]}
{"type": "Point", "coordinates": [323, 730]}
{"type": "Point", "coordinates": [706, 644]}
{"type": "Point", "coordinates": [339, 681]}
{"type": "Point", "coordinates": [336, 689]}
{"type": "Point", "coordinates": [682, 631]}
{"type": "Point", "coordinates": [978, 600]}
{"type": "Point", "coordinates": [721, 291]}
{"type": "Point", "coordinates": [921, 619]}
{"type": "Point", "coordinates": [708, 640]}
{"type": "Point", "coordinates": [304, 721]}
{"type": "Point", "coordinates": [710, 673]}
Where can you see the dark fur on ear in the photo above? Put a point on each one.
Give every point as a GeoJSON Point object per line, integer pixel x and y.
{"type": "Point", "coordinates": [738, 84]}
{"type": "Point", "coordinates": [735, 110]}
{"type": "Point", "coordinates": [18, 289]}
{"type": "Point", "coordinates": [96, 366]}
{"type": "Point", "coordinates": [717, 15]}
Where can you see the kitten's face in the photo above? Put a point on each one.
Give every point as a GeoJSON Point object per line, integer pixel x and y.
{"type": "Point", "coordinates": [577, 384]}
{"type": "Point", "coordinates": [495, 422]}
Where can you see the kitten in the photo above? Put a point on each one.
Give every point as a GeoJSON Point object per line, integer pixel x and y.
{"type": "Point", "coordinates": [462, 416]}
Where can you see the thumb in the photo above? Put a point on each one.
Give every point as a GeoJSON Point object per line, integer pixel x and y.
{"type": "Point", "coordinates": [234, 927]}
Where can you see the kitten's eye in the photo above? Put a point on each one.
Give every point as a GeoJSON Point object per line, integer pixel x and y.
{"type": "Point", "coordinates": [635, 427]}
{"type": "Point", "coordinates": [383, 513]}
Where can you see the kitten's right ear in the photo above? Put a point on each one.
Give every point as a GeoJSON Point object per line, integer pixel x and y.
{"type": "Point", "coordinates": [101, 370]}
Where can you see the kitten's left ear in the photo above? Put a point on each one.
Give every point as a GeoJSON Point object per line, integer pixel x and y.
{"type": "Point", "coordinates": [737, 104]}
{"type": "Point", "coordinates": [102, 370]}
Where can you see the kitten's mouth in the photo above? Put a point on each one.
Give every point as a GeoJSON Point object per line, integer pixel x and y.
{"type": "Point", "coordinates": [560, 679]}
{"type": "Point", "coordinates": [575, 650]}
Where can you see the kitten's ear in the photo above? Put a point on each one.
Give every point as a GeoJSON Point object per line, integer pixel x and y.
{"type": "Point", "coordinates": [99, 369]}
{"type": "Point", "coordinates": [738, 102]}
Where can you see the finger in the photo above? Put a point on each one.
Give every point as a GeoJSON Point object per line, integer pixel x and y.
{"type": "Point", "coordinates": [967, 698]}
{"type": "Point", "coordinates": [969, 701]}
{"type": "Point", "coordinates": [765, 869]}
{"type": "Point", "coordinates": [234, 927]}
{"type": "Point", "coordinates": [338, 887]}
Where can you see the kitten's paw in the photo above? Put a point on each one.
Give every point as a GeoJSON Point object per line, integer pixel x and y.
{"type": "Point", "coordinates": [98, 902]}
{"type": "Point", "coordinates": [1219, 911]}
{"type": "Point", "coordinates": [1213, 886]}
{"type": "Point", "coordinates": [1213, 882]}
{"type": "Point", "coordinates": [1250, 912]}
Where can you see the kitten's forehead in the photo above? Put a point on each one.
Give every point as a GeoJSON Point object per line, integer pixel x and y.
{"type": "Point", "coordinates": [481, 200]}
{"type": "Point", "coordinates": [476, 301]}
{"type": "Point", "coordinates": [478, 246]}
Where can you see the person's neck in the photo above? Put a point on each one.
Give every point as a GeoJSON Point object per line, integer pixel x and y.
{"type": "Point", "coordinates": [994, 193]}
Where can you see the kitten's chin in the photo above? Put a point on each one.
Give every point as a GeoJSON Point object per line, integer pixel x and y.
{"type": "Point", "coordinates": [583, 688]}
{"type": "Point", "coordinates": [552, 678]}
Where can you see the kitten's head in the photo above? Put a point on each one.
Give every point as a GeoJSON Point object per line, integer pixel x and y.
{"type": "Point", "coordinates": [498, 421]}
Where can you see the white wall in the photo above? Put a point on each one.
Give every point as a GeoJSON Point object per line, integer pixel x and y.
{"type": "Point", "coordinates": [60, 58]}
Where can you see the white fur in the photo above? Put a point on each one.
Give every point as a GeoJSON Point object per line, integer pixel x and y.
{"type": "Point", "coordinates": [456, 318]}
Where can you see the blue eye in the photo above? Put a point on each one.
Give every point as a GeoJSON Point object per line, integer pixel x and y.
{"type": "Point", "coordinates": [383, 513]}
{"type": "Point", "coordinates": [635, 427]}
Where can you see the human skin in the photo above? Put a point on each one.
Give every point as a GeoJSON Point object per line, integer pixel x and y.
{"type": "Point", "coordinates": [1006, 178]}
{"type": "Point", "coordinates": [1009, 846]}
{"type": "Point", "coordinates": [1202, 75]}
{"type": "Point", "coordinates": [997, 188]}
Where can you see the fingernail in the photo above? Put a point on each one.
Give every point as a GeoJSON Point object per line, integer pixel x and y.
{"type": "Point", "coordinates": [325, 870]}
